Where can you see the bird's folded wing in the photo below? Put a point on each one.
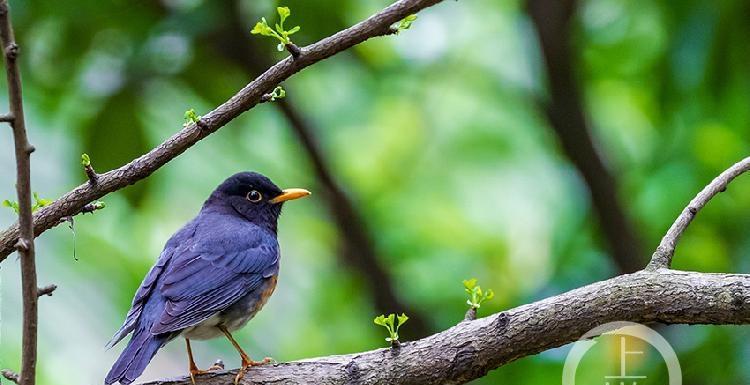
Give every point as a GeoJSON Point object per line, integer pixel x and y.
{"type": "Point", "coordinates": [214, 273]}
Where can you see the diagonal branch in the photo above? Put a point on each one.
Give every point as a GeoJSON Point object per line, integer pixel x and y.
{"type": "Point", "coordinates": [565, 111]}
{"type": "Point", "coordinates": [662, 257]}
{"type": "Point", "coordinates": [72, 202]}
{"type": "Point", "coordinates": [25, 243]}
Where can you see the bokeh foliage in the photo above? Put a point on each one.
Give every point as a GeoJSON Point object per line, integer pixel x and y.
{"type": "Point", "coordinates": [435, 134]}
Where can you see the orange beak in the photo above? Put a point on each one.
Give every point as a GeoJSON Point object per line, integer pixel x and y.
{"type": "Point", "coordinates": [290, 194]}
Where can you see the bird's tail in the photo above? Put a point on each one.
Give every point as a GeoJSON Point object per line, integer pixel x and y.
{"type": "Point", "coordinates": [136, 356]}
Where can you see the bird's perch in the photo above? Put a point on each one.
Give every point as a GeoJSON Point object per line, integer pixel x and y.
{"type": "Point", "coordinates": [472, 348]}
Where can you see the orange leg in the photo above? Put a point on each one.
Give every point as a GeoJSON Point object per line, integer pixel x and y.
{"type": "Point", "coordinates": [246, 361]}
{"type": "Point", "coordinates": [192, 367]}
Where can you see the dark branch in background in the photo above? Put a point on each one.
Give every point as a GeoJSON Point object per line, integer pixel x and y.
{"type": "Point", "coordinates": [662, 257]}
{"type": "Point", "coordinates": [72, 202]}
{"type": "Point", "coordinates": [25, 242]}
{"type": "Point", "coordinates": [358, 248]}
{"type": "Point", "coordinates": [472, 348]}
{"type": "Point", "coordinates": [565, 111]}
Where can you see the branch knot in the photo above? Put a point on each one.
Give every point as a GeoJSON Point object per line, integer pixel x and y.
{"type": "Point", "coordinates": [11, 51]}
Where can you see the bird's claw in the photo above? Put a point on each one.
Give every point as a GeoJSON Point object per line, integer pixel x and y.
{"type": "Point", "coordinates": [247, 364]}
{"type": "Point", "coordinates": [218, 365]}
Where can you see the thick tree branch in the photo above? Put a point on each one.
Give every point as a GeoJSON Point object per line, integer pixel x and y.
{"type": "Point", "coordinates": [25, 242]}
{"type": "Point", "coordinates": [471, 349]}
{"type": "Point", "coordinates": [72, 202]}
{"type": "Point", "coordinates": [565, 111]}
{"type": "Point", "coordinates": [662, 257]}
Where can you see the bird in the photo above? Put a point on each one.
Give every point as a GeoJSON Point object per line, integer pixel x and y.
{"type": "Point", "coordinates": [214, 274]}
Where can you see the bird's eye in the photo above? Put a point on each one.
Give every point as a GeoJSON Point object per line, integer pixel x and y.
{"type": "Point", "coordinates": [254, 196]}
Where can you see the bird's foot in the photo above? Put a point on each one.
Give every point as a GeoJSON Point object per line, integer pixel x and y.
{"type": "Point", "coordinates": [194, 371]}
{"type": "Point", "coordinates": [247, 363]}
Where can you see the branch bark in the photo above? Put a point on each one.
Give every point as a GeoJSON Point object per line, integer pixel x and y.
{"type": "Point", "coordinates": [72, 202]}
{"type": "Point", "coordinates": [470, 349]}
{"type": "Point", "coordinates": [25, 242]}
{"type": "Point", "coordinates": [565, 112]}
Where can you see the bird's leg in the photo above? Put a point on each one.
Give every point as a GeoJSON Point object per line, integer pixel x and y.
{"type": "Point", "coordinates": [193, 368]}
{"type": "Point", "coordinates": [246, 361]}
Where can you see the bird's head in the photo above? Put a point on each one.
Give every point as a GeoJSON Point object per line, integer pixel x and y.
{"type": "Point", "coordinates": [253, 196]}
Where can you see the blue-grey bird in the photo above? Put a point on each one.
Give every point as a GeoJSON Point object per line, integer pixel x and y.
{"type": "Point", "coordinates": [213, 276]}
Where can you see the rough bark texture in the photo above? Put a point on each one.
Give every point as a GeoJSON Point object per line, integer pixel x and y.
{"type": "Point", "coordinates": [72, 202]}
{"type": "Point", "coordinates": [472, 348]}
{"type": "Point", "coordinates": [25, 243]}
{"type": "Point", "coordinates": [565, 112]}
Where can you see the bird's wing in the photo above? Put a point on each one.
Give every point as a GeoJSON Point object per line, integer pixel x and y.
{"type": "Point", "coordinates": [175, 246]}
{"type": "Point", "coordinates": [219, 268]}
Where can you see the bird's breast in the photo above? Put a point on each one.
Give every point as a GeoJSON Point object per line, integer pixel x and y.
{"type": "Point", "coordinates": [237, 315]}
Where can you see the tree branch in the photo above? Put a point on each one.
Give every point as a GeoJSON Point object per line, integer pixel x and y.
{"type": "Point", "coordinates": [25, 243]}
{"type": "Point", "coordinates": [662, 257]}
{"type": "Point", "coordinates": [470, 349]}
{"type": "Point", "coordinates": [565, 112]}
{"type": "Point", "coordinates": [72, 202]}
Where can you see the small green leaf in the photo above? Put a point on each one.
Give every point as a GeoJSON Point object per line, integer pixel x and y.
{"type": "Point", "coordinates": [379, 320]}
{"type": "Point", "coordinates": [293, 30]}
{"type": "Point", "coordinates": [402, 320]}
{"type": "Point", "coordinates": [191, 117]}
{"type": "Point", "coordinates": [85, 160]}
{"type": "Point", "coordinates": [470, 283]}
{"type": "Point", "coordinates": [11, 204]}
{"type": "Point", "coordinates": [406, 22]}
{"type": "Point", "coordinates": [284, 12]}
{"type": "Point", "coordinates": [281, 34]}
{"type": "Point", "coordinates": [391, 319]}
{"type": "Point", "coordinates": [277, 93]}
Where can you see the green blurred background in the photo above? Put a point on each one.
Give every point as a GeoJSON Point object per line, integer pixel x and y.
{"type": "Point", "coordinates": [438, 138]}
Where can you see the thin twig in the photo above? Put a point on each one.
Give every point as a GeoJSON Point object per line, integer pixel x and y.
{"type": "Point", "coordinates": [10, 375]}
{"type": "Point", "coordinates": [25, 243]}
{"type": "Point", "coordinates": [294, 50]}
{"type": "Point", "coordinates": [662, 257]}
{"type": "Point", "coordinates": [46, 290]}
{"type": "Point", "coordinates": [247, 98]}
{"type": "Point", "coordinates": [91, 174]}
{"type": "Point", "coordinates": [6, 118]}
